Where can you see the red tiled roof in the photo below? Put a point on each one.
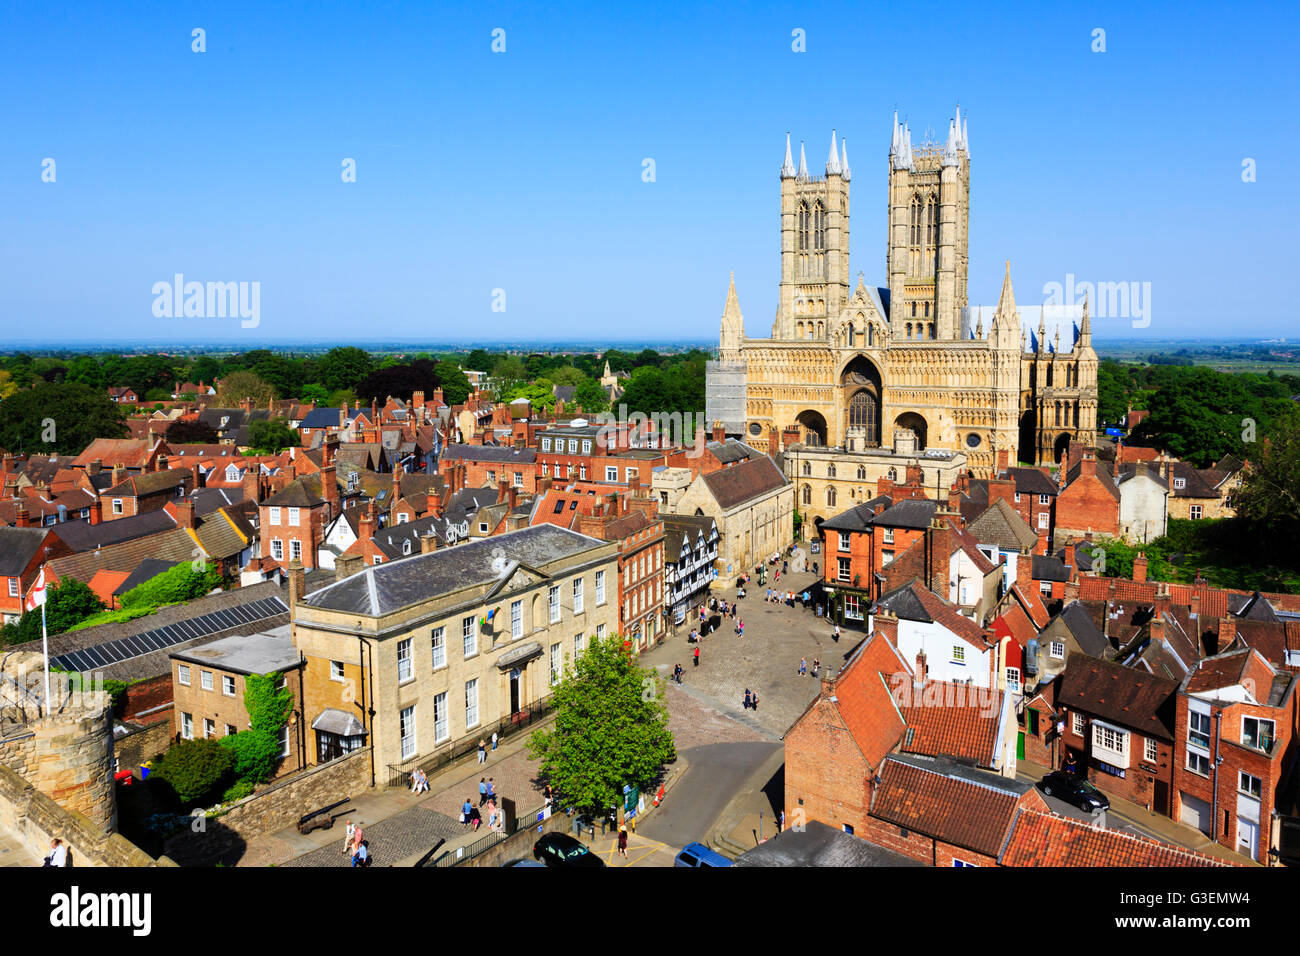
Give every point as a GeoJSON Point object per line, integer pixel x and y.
{"type": "Point", "coordinates": [1045, 839]}
{"type": "Point", "coordinates": [1018, 624]}
{"type": "Point", "coordinates": [131, 452]}
{"type": "Point", "coordinates": [948, 808]}
{"type": "Point", "coordinates": [865, 700]}
{"type": "Point", "coordinates": [953, 720]}
{"type": "Point", "coordinates": [943, 613]}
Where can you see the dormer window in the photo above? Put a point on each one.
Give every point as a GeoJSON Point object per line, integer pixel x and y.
{"type": "Point", "coordinates": [1180, 482]}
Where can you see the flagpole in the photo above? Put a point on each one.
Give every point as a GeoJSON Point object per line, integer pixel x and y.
{"type": "Point", "coordinates": [45, 650]}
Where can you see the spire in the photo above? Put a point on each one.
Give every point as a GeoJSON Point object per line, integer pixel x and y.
{"type": "Point", "coordinates": [957, 124]}
{"type": "Point", "coordinates": [803, 164]}
{"type": "Point", "coordinates": [787, 168]}
{"type": "Point", "coordinates": [965, 142]}
{"type": "Point", "coordinates": [907, 146]}
{"type": "Point", "coordinates": [844, 159]}
{"type": "Point", "coordinates": [833, 160]}
{"type": "Point", "coordinates": [896, 143]}
{"type": "Point", "coordinates": [1007, 300]}
{"type": "Point", "coordinates": [731, 317]}
{"type": "Point", "coordinates": [950, 149]}
{"type": "Point", "coordinates": [979, 325]}
{"type": "Point", "coordinates": [1042, 329]}
{"type": "Point", "coordinates": [1085, 327]}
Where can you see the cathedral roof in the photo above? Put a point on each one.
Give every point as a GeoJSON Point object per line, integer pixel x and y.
{"type": "Point", "coordinates": [1064, 319]}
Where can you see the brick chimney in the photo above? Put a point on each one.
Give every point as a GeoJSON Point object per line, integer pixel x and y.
{"type": "Point", "coordinates": [503, 490]}
{"type": "Point", "coordinates": [119, 474]}
{"type": "Point", "coordinates": [1227, 632]}
{"type": "Point", "coordinates": [94, 468]}
{"type": "Point", "coordinates": [428, 543]}
{"type": "Point", "coordinates": [252, 485]}
{"type": "Point", "coordinates": [938, 555]}
{"type": "Point", "coordinates": [366, 526]}
{"type": "Point", "coordinates": [1002, 489]}
{"type": "Point", "coordinates": [297, 583]}
{"type": "Point", "coordinates": [1069, 560]}
{"type": "Point", "coordinates": [1088, 465]}
{"type": "Point", "coordinates": [884, 488]}
{"type": "Point", "coordinates": [184, 513]}
{"type": "Point", "coordinates": [397, 485]}
{"type": "Point", "coordinates": [96, 511]}
{"type": "Point", "coordinates": [922, 668]}
{"type": "Point", "coordinates": [512, 496]}
{"type": "Point", "coordinates": [1140, 567]}
{"type": "Point", "coordinates": [1195, 603]}
{"type": "Point", "coordinates": [329, 489]}
{"type": "Point", "coordinates": [196, 477]}
{"type": "Point", "coordinates": [544, 485]}
{"type": "Point", "coordinates": [346, 565]}
{"type": "Point", "coordinates": [1025, 572]}
{"type": "Point", "coordinates": [915, 475]}
{"type": "Point", "coordinates": [886, 624]}
{"type": "Point", "coordinates": [21, 518]}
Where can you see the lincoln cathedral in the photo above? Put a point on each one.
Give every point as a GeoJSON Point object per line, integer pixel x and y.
{"type": "Point", "coordinates": [909, 372]}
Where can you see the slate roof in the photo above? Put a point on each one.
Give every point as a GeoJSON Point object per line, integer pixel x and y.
{"type": "Point", "coordinates": [1119, 694]}
{"type": "Point", "coordinates": [304, 492]}
{"type": "Point", "coordinates": [1031, 481]}
{"type": "Point", "coordinates": [1084, 629]}
{"type": "Point", "coordinates": [377, 591]}
{"type": "Point", "coordinates": [84, 536]}
{"type": "Point", "coordinates": [912, 602]}
{"type": "Point", "coordinates": [151, 483]}
{"type": "Point", "coordinates": [1002, 525]}
{"type": "Point", "coordinates": [738, 484]}
{"type": "Point", "coordinates": [821, 845]}
{"type": "Point", "coordinates": [678, 527]}
{"type": "Point", "coordinates": [488, 453]}
{"type": "Point", "coordinates": [857, 518]}
{"type": "Point", "coordinates": [959, 805]}
{"type": "Point", "coordinates": [1044, 839]}
{"type": "Point", "coordinates": [914, 513]}
{"type": "Point", "coordinates": [17, 548]}
{"type": "Point", "coordinates": [731, 451]}
{"type": "Point", "coordinates": [321, 418]}
{"type": "Point", "coordinates": [146, 570]}
{"type": "Point", "coordinates": [1048, 568]}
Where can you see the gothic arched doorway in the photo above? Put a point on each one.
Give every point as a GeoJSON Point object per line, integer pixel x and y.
{"type": "Point", "coordinates": [814, 427]}
{"type": "Point", "coordinates": [861, 381]}
{"type": "Point", "coordinates": [1061, 447]}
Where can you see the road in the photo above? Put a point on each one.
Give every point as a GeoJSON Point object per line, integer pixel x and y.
{"type": "Point", "coordinates": [716, 773]}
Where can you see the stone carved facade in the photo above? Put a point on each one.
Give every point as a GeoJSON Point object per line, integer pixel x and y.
{"type": "Point", "coordinates": [894, 371]}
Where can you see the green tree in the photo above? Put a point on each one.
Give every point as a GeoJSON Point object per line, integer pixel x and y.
{"type": "Point", "coordinates": [611, 729]}
{"type": "Point", "coordinates": [1269, 497]}
{"type": "Point", "coordinates": [506, 373]}
{"type": "Point", "coordinates": [345, 367]}
{"type": "Point", "coordinates": [237, 386]}
{"type": "Point", "coordinates": [591, 397]}
{"type": "Point", "coordinates": [194, 769]}
{"type": "Point", "coordinates": [75, 414]}
{"type": "Point", "coordinates": [271, 437]}
{"type": "Point", "coordinates": [8, 387]}
{"type": "Point", "coordinates": [455, 386]}
{"type": "Point", "coordinates": [318, 395]}
{"type": "Point", "coordinates": [478, 361]}
{"type": "Point", "coordinates": [67, 602]}
{"type": "Point", "coordinates": [257, 750]}
{"type": "Point", "coordinates": [177, 584]}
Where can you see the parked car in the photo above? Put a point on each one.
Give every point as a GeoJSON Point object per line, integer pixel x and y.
{"type": "Point", "coordinates": [697, 854]}
{"type": "Point", "coordinates": [560, 849]}
{"type": "Point", "coordinates": [1074, 790]}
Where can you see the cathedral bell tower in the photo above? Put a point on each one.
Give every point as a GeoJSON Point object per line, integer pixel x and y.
{"type": "Point", "coordinates": [814, 245]}
{"type": "Point", "coordinates": [928, 240]}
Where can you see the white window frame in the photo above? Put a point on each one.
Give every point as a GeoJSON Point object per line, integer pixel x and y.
{"type": "Point", "coordinates": [293, 517]}
{"type": "Point", "coordinates": [1258, 721]}
{"type": "Point", "coordinates": [1044, 499]}
{"type": "Point", "coordinates": [1150, 750]}
{"type": "Point", "coordinates": [557, 662]}
{"type": "Point", "coordinates": [441, 725]}
{"type": "Point", "coordinates": [1195, 512]}
{"type": "Point", "coordinates": [1013, 679]}
{"type": "Point", "coordinates": [600, 588]}
{"type": "Point", "coordinates": [336, 671]}
{"type": "Point", "coordinates": [187, 726]}
{"type": "Point", "coordinates": [406, 731]}
{"type": "Point", "coordinates": [1078, 724]}
{"type": "Point", "coordinates": [958, 654]}
{"type": "Point", "coordinates": [887, 535]}
{"type": "Point", "coordinates": [183, 674]}
{"type": "Point", "coordinates": [205, 680]}
{"type": "Point", "coordinates": [586, 446]}
{"type": "Point", "coordinates": [117, 506]}
{"type": "Point", "coordinates": [438, 647]}
{"type": "Point", "coordinates": [611, 473]}
{"type": "Point", "coordinates": [846, 541]}
{"type": "Point", "coordinates": [471, 703]}
{"type": "Point", "coordinates": [284, 741]}
{"type": "Point", "coordinates": [1057, 650]}
{"type": "Point", "coordinates": [844, 569]}
{"type": "Point", "coordinates": [519, 479]}
{"type": "Point", "coordinates": [405, 662]}
{"type": "Point", "coordinates": [277, 549]}
{"type": "Point", "coordinates": [275, 515]}
{"type": "Point", "coordinates": [1198, 762]}
{"type": "Point", "coordinates": [600, 632]}
{"type": "Point", "coordinates": [469, 636]}
{"type": "Point", "coordinates": [516, 620]}
{"type": "Point", "coordinates": [13, 587]}
{"type": "Point", "coordinates": [1043, 518]}
{"type": "Point", "coordinates": [1196, 731]}
{"type": "Point", "coordinates": [1243, 787]}
{"type": "Point", "coordinates": [553, 603]}
{"type": "Point", "coordinates": [295, 549]}
{"type": "Point", "coordinates": [579, 600]}
{"type": "Point", "coordinates": [227, 685]}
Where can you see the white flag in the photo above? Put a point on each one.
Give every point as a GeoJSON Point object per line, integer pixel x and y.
{"type": "Point", "coordinates": [36, 596]}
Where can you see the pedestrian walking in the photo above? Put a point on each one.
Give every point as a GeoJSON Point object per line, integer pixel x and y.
{"type": "Point", "coordinates": [482, 791]}
{"type": "Point", "coordinates": [482, 751]}
{"type": "Point", "coordinates": [835, 635]}
{"type": "Point", "coordinates": [740, 628]}
{"type": "Point", "coordinates": [58, 854]}
{"type": "Point", "coordinates": [466, 809]}
{"type": "Point", "coordinates": [816, 666]}
{"type": "Point", "coordinates": [360, 855]}
{"type": "Point", "coordinates": [697, 656]}
{"type": "Point", "coordinates": [677, 673]}
{"type": "Point", "coordinates": [803, 667]}
{"type": "Point", "coordinates": [491, 789]}
{"type": "Point", "coordinates": [347, 840]}
{"type": "Point", "coordinates": [780, 823]}
{"type": "Point", "coordinates": [622, 841]}
{"type": "Point", "coordinates": [747, 698]}
{"type": "Point", "coordinates": [754, 703]}
{"type": "Point", "coordinates": [494, 740]}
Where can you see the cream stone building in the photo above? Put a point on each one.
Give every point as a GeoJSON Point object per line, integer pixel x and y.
{"type": "Point", "coordinates": [431, 652]}
{"type": "Point", "coordinates": [751, 503]}
{"type": "Point", "coordinates": [886, 373]}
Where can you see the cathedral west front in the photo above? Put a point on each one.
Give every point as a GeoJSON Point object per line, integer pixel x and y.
{"type": "Point", "coordinates": [880, 378]}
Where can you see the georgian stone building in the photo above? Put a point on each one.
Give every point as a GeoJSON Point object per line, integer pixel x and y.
{"type": "Point", "coordinates": [883, 374]}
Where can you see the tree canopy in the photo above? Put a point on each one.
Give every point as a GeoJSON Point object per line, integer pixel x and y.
{"type": "Point", "coordinates": [72, 415]}
{"type": "Point", "coordinates": [611, 729]}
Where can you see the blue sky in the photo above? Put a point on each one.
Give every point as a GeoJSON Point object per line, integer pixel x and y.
{"type": "Point", "coordinates": [522, 170]}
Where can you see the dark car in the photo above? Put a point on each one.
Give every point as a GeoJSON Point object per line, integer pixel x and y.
{"type": "Point", "coordinates": [560, 849]}
{"type": "Point", "coordinates": [1074, 790]}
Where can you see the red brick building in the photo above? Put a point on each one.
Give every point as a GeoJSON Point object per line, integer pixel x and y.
{"type": "Point", "coordinates": [1089, 502]}
{"type": "Point", "coordinates": [490, 464]}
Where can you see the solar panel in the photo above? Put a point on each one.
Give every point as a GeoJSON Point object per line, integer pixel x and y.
{"type": "Point", "coordinates": [137, 645]}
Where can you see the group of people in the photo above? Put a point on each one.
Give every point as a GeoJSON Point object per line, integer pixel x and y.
{"type": "Point", "coordinates": [803, 667]}
{"type": "Point", "coordinates": [356, 846]}
{"type": "Point", "coordinates": [787, 598]}
{"type": "Point", "coordinates": [486, 790]}
{"type": "Point", "coordinates": [751, 699]}
{"type": "Point", "coordinates": [419, 782]}
{"type": "Point", "coordinates": [483, 747]}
